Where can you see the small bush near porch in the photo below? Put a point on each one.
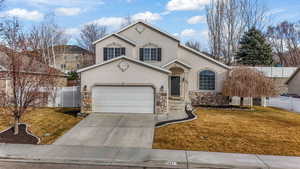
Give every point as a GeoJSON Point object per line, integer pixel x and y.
{"type": "Point", "coordinates": [269, 131]}
{"type": "Point", "coordinates": [46, 123]}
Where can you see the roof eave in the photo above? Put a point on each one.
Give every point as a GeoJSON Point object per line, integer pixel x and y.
{"type": "Point", "coordinates": [118, 36]}
{"type": "Point", "coordinates": [178, 61]}
{"type": "Point", "coordinates": [292, 76]}
{"type": "Point", "coordinates": [123, 57]}
{"type": "Point", "coordinates": [205, 56]}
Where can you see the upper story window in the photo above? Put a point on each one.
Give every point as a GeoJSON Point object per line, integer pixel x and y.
{"type": "Point", "coordinates": [150, 54]}
{"type": "Point", "coordinates": [110, 53]}
{"type": "Point", "coordinates": [207, 80]}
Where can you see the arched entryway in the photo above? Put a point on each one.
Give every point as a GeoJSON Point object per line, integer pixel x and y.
{"type": "Point", "coordinates": [176, 82]}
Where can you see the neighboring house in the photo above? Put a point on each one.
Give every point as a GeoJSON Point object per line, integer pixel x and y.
{"type": "Point", "coordinates": [294, 83]}
{"type": "Point", "coordinates": [279, 75]}
{"type": "Point", "coordinates": [141, 69]}
{"type": "Point", "coordinates": [71, 58]}
{"type": "Point", "coordinates": [5, 81]}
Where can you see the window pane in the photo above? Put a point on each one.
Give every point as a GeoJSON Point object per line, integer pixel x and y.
{"type": "Point", "coordinates": [117, 52]}
{"type": "Point", "coordinates": [150, 54]}
{"type": "Point", "coordinates": [110, 53]}
{"type": "Point", "coordinates": [153, 53]}
{"type": "Point", "coordinates": [147, 55]}
{"type": "Point", "coordinates": [207, 80]}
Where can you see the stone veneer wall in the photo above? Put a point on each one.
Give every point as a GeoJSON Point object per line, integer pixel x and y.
{"type": "Point", "coordinates": [161, 100]}
{"type": "Point", "coordinates": [208, 98]}
{"type": "Point", "coordinates": [86, 102]}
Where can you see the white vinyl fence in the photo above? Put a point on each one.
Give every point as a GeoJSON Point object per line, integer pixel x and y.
{"type": "Point", "coordinates": [288, 103]}
{"type": "Point", "coordinates": [65, 97]}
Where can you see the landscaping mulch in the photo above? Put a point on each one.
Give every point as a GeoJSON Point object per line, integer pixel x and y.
{"type": "Point", "coordinates": [233, 107]}
{"type": "Point", "coordinates": [190, 116]}
{"type": "Point", "coordinates": [22, 138]}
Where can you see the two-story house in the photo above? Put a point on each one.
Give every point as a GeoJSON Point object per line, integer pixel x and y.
{"type": "Point", "coordinates": [142, 69]}
{"type": "Point", "coordinates": [71, 58]}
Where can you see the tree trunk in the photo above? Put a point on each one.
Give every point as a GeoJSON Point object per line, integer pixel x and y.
{"type": "Point", "coordinates": [16, 127]}
{"type": "Point", "coordinates": [242, 101]}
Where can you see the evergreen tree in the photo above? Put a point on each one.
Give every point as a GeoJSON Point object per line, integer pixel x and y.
{"type": "Point", "coordinates": [254, 49]}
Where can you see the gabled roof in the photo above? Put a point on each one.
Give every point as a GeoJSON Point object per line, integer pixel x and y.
{"type": "Point", "coordinates": [118, 36]}
{"type": "Point", "coordinates": [179, 62]}
{"type": "Point", "coordinates": [293, 75]}
{"type": "Point", "coordinates": [150, 26]}
{"type": "Point", "coordinates": [126, 58]}
{"type": "Point", "coordinates": [205, 56]}
{"type": "Point", "coordinates": [30, 63]}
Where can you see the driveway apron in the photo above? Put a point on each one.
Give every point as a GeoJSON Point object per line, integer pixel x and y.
{"type": "Point", "coordinates": [112, 130]}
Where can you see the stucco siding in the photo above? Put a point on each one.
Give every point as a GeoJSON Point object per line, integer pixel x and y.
{"type": "Point", "coordinates": [113, 41]}
{"type": "Point", "coordinates": [149, 37]}
{"type": "Point", "coordinates": [294, 84]}
{"type": "Point", "coordinates": [135, 74]}
{"type": "Point", "coordinates": [198, 64]}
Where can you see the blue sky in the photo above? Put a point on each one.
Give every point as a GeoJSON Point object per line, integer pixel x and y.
{"type": "Point", "coordinates": [183, 18]}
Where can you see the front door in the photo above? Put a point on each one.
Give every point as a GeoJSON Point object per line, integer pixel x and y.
{"type": "Point", "coordinates": [175, 86]}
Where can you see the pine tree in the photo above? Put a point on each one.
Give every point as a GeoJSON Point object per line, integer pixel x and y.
{"type": "Point", "coordinates": [254, 49]}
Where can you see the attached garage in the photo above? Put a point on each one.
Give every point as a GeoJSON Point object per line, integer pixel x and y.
{"type": "Point", "coordinates": [123, 99]}
{"type": "Point", "coordinates": [124, 85]}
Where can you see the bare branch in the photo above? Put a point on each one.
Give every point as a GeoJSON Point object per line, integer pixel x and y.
{"type": "Point", "coordinates": [89, 34]}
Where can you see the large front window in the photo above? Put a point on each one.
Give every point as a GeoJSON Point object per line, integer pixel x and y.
{"type": "Point", "coordinates": [150, 54]}
{"type": "Point", "coordinates": [207, 80]}
{"type": "Point", "coordinates": [110, 53]}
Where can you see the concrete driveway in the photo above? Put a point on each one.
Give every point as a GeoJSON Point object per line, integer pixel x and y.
{"type": "Point", "coordinates": [112, 130]}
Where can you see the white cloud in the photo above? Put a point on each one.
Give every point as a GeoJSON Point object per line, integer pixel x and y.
{"type": "Point", "coordinates": [113, 22]}
{"type": "Point", "coordinates": [186, 5]}
{"type": "Point", "coordinates": [194, 34]}
{"type": "Point", "coordinates": [116, 22]}
{"type": "Point", "coordinates": [176, 34]}
{"type": "Point", "coordinates": [67, 11]}
{"type": "Point", "coordinates": [72, 31]}
{"type": "Point", "coordinates": [275, 12]}
{"type": "Point", "coordinates": [146, 16]}
{"type": "Point", "coordinates": [204, 34]}
{"type": "Point", "coordinates": [196, 19]}
{"type": "Point", "coordinates": [188, 33]}
{"type": "Point", "coordinates": [64, 2]}
{"type": "Point", "coordinates": [24, 14]}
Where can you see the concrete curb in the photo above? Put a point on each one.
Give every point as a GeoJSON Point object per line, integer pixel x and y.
{"type": "Point", "coordinates": [142, 157]}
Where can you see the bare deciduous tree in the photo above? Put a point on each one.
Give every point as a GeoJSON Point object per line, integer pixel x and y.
{"type": "Point", "coordinates": [89, 34]}
{"type": "Point", "coordinates": [227, 21]}
{"type": "Point", "coordinates": [43, 38]}
{"type": "Point", "coordinates": [285, 40]}
{"type": "Point", "coordinates": [194, 45]}
{"type": "Point", "coordinates": [30, 80]}
{"type": "Point", "coordinates": [247, 82]}
{"type": "Point", "coordinates": [127, 21]}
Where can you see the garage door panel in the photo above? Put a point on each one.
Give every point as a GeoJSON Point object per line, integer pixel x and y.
{"type": "Point", "coordinates": [123, 99]}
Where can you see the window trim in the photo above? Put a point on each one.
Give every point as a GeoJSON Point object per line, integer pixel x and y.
{"type": "Point", "coordinates": [150, 54]}
{"type": "Point", "coordinates": [198, 80]}
{"type": "Point", "coordinates": [114, 50]}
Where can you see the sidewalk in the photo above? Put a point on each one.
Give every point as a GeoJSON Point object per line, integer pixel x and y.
{"type": "Point", "coordinates": [142, 157]}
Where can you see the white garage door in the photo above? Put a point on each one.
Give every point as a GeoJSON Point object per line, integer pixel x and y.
{"type": "Point", "coordinates": [123, 99]}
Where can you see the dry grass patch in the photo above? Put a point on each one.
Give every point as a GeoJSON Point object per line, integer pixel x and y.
{"type": "Point", "coordinates": [46, 123]}
{"type": "Point", "coordinates": [261, 131]}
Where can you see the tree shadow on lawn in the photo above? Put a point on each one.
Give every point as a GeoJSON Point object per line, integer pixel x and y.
{"type": "Point", "coordinates": [70, 111]}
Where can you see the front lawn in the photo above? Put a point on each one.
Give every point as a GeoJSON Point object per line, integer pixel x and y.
{"type": "Point", "coordinates": [46, 123]}
{"type": "Point", "coordinates": [261, 131]}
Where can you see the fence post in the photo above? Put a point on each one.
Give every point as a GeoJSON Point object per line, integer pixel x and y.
{"type": "Point", "coordinates": [73, 96]}
{"type": "Point", "coordinates": [62, 100]}
{"type": "Point", "coordinates": [292, 104]}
